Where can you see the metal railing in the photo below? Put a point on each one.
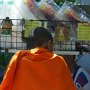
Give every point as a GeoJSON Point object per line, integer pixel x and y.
{"type": "Point", "coordinates": [16, 41]}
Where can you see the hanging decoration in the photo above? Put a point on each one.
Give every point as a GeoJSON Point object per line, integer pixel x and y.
{"type": "Point", "coordinates": [33, 7]}
{"type": "Point", "coordinates": [48, 9]}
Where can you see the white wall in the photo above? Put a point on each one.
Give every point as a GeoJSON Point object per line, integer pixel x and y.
{"type": "Point", "coordinates": [22, 10]}
{"type": "Point", "coordinates": [17, 10]}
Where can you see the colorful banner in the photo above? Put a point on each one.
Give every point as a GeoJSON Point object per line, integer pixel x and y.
{"type": "Point", "coordinates": [83, 32]}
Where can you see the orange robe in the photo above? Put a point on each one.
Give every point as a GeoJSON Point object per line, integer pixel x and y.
{"type": "Point", "coordinates": [37, 69]}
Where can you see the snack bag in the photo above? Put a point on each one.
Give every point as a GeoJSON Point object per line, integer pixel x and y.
{"type": "Point", "coordinates": [33, 7]}
{"type": "Point", "coordinates": [49, 8]}
{"type": "Point", "coordinates": [68, 12]}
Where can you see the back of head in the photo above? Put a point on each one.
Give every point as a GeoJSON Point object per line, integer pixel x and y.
{"type": "Point", "coordinates": [39, 37]}
{"type": "Point", "coordinates": [7, 18]}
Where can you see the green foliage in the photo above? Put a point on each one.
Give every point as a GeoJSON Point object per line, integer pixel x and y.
{"type": "Point", "coordinates": [4, 60]}
{"type": "Point", "coordinates": [62, 1]}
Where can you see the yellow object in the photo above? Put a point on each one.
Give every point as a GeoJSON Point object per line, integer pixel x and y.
{"type": "Point", "coordinates": [61, 33]}
{"type": "Point", "coordinates": [83, 32]}
{"type": "Point", "coordinates": [37, 69]}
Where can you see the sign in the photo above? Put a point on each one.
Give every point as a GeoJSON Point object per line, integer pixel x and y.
{"type": "Point", "coordinates": [31, 25]}
{"type": "Point", "coordinates": [61, 34]}
{"type": "Point", "coordinates": [83, 32]}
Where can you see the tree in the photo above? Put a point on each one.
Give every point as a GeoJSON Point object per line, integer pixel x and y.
{"type": "Point", "coordinates": [62, 1]}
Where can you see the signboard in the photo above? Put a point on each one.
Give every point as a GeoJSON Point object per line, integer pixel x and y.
{"type": "Point", "coordinates": [30, 25]}
{"type": "Point", "coordinates": [61, 34]}
{"type": "Point", "coordinates": [83, 32]}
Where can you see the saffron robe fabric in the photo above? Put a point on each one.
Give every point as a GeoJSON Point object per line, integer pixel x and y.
{"type": "Point", "coordinates": [37, 69]}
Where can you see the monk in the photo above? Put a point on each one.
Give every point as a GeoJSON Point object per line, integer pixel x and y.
{"type": "Point", "coordinates": [38, 68]}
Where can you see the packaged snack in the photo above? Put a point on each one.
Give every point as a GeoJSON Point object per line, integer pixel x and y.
{"type": "Point", "coordinates": [49, 8]}
{"type": "Point", "coordinates": [33, 7]}
{"type": "Point", "coordinates": [68, 12]}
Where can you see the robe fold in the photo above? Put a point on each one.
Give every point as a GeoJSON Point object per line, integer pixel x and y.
{"type": "Point", "coordinates": [37, 69]}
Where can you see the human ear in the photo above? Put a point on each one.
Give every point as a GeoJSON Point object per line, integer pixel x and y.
{"type": "Point", "coordinates": [50, 45]}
